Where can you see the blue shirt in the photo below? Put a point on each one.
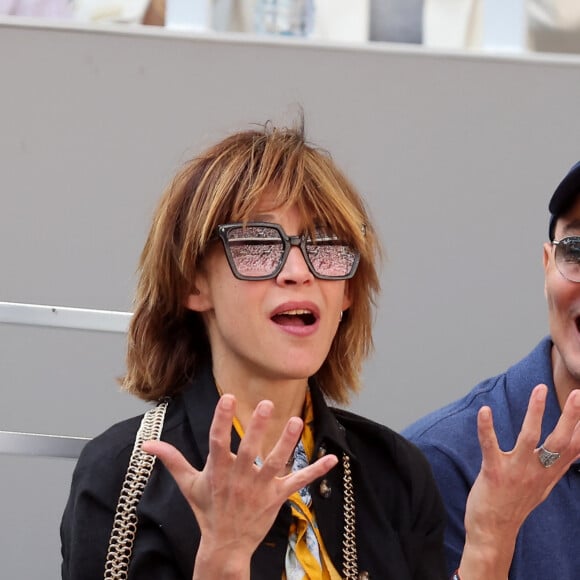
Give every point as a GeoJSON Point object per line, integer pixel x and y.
{"type": "Point", "coordinates": [548, 545]}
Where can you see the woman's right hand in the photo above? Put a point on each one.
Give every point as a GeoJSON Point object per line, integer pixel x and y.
{"type": "Point", "coordinates": [234, 501]}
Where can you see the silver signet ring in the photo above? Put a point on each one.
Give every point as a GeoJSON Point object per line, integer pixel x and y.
{"type": "Point", "coordinates": [547, 458]}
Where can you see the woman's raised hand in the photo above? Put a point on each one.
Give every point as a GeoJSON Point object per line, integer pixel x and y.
{"type": "Point", "coordinates": [234, 501]}
{"type": "Point", "coordinates": [511, 484]}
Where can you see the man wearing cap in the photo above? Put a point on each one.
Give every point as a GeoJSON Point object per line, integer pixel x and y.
{"type": "Point", "coordinates": [548, 545]}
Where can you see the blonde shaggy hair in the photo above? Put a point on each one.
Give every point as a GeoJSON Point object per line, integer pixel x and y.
{"type": "Point", "coordinates": [166, 341]}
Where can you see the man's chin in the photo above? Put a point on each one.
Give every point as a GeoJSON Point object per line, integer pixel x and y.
{"type": "Point", "coordinates": [570, 373]}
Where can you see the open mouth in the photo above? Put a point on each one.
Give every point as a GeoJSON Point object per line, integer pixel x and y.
{"type": "Point", "coordinates": [295, 318]}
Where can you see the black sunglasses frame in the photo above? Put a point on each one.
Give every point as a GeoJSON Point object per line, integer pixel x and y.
{"type": "Point", "coordinates": [289, 242]}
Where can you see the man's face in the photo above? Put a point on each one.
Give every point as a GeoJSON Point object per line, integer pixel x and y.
{"type": "Point", "coordinates": [563, 298]}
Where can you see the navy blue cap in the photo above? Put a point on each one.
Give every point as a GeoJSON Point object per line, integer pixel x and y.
{"type": "Point", "coordinates": [564, 196]}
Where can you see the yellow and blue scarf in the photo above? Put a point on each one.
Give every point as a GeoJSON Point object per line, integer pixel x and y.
{"type": "Point", "coordinates": [306, 556]}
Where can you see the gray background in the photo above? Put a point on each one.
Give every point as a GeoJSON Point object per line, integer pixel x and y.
{"type": "Point", "coordinates": [456, 154]}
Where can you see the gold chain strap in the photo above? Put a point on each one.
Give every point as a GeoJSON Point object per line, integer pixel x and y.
{"type": "Point", "coordinates": [349, 556]}
{"type": "Point", "coordinates": [138, 473]}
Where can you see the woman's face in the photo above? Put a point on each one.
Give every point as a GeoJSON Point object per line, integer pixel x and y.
{"type": "Point", "coordinates": [277, 329]}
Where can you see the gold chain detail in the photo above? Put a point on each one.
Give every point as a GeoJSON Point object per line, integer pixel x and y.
{"type": "Point", "coordinates": [138, 473]}
{"type": "Point", "coordinates": [349, 556]}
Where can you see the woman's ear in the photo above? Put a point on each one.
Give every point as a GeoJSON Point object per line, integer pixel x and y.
{"type": "Point", "coordinates": [347, 299]}
{"type": "Point", "coordinates": [199, 299]}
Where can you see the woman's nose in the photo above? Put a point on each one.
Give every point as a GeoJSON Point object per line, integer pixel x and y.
{"type": "Point", "coordinates": [295, 269]}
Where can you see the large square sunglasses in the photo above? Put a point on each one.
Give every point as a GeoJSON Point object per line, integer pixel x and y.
{"type": "Point", "coordinates": [259, 250]}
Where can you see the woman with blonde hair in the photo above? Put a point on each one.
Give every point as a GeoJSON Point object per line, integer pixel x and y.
{"type": "Point", "coordinates": [253, 312]}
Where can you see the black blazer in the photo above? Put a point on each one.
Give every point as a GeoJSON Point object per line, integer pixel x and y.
{"type": "Point", "coordinates": [399, 513]}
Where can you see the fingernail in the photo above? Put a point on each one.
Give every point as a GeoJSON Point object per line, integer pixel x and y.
{"type": "Point", "coordinates": [294, 426]}
{"type": "Point", "coordinates": [227, 402]}
{"type": "Point", "coordinates": [264, 408]}
{"type": "Point", "coordinates": [485, 413]}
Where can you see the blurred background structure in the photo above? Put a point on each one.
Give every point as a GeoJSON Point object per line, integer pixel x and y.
{"type": "Point", "coordinates": [516, 25]}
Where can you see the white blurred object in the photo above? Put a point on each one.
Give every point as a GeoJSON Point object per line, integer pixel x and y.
{"type": "Point", "coordinates": [504, 25]}
{"type": "Point", "coordinates": [347, 20]}
{"type": "Point", "coordinates": [37, 8]}
{"type": "Point", "coordinates": [195, 15]}
{"type": "Point", "coordinates": [7, 6]}
{"type": "Point", "coordinates": [481, 24]}
{"type": "Point", "coordinates": [452, 23]}
{"type": "Point", "coordinates": [125, 11]}
{"type": "Point", "coordinates": [223, 14]}
{"type": "Point", "coordinates": [514, 25]}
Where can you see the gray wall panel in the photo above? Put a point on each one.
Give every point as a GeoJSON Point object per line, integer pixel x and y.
{"type": "Point", "coordinates": [456, 155]}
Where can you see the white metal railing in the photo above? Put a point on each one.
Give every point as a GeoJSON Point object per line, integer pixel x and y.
{"type": "Point", "coordinates": [64, 317]}
{"type": "Point", "coordinates": [13, 443]}
{"type": "Point", "coordinates": [37, 444]}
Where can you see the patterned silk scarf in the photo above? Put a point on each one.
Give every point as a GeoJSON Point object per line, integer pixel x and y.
{"type": "Point", "coordinates": [306, 556]}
